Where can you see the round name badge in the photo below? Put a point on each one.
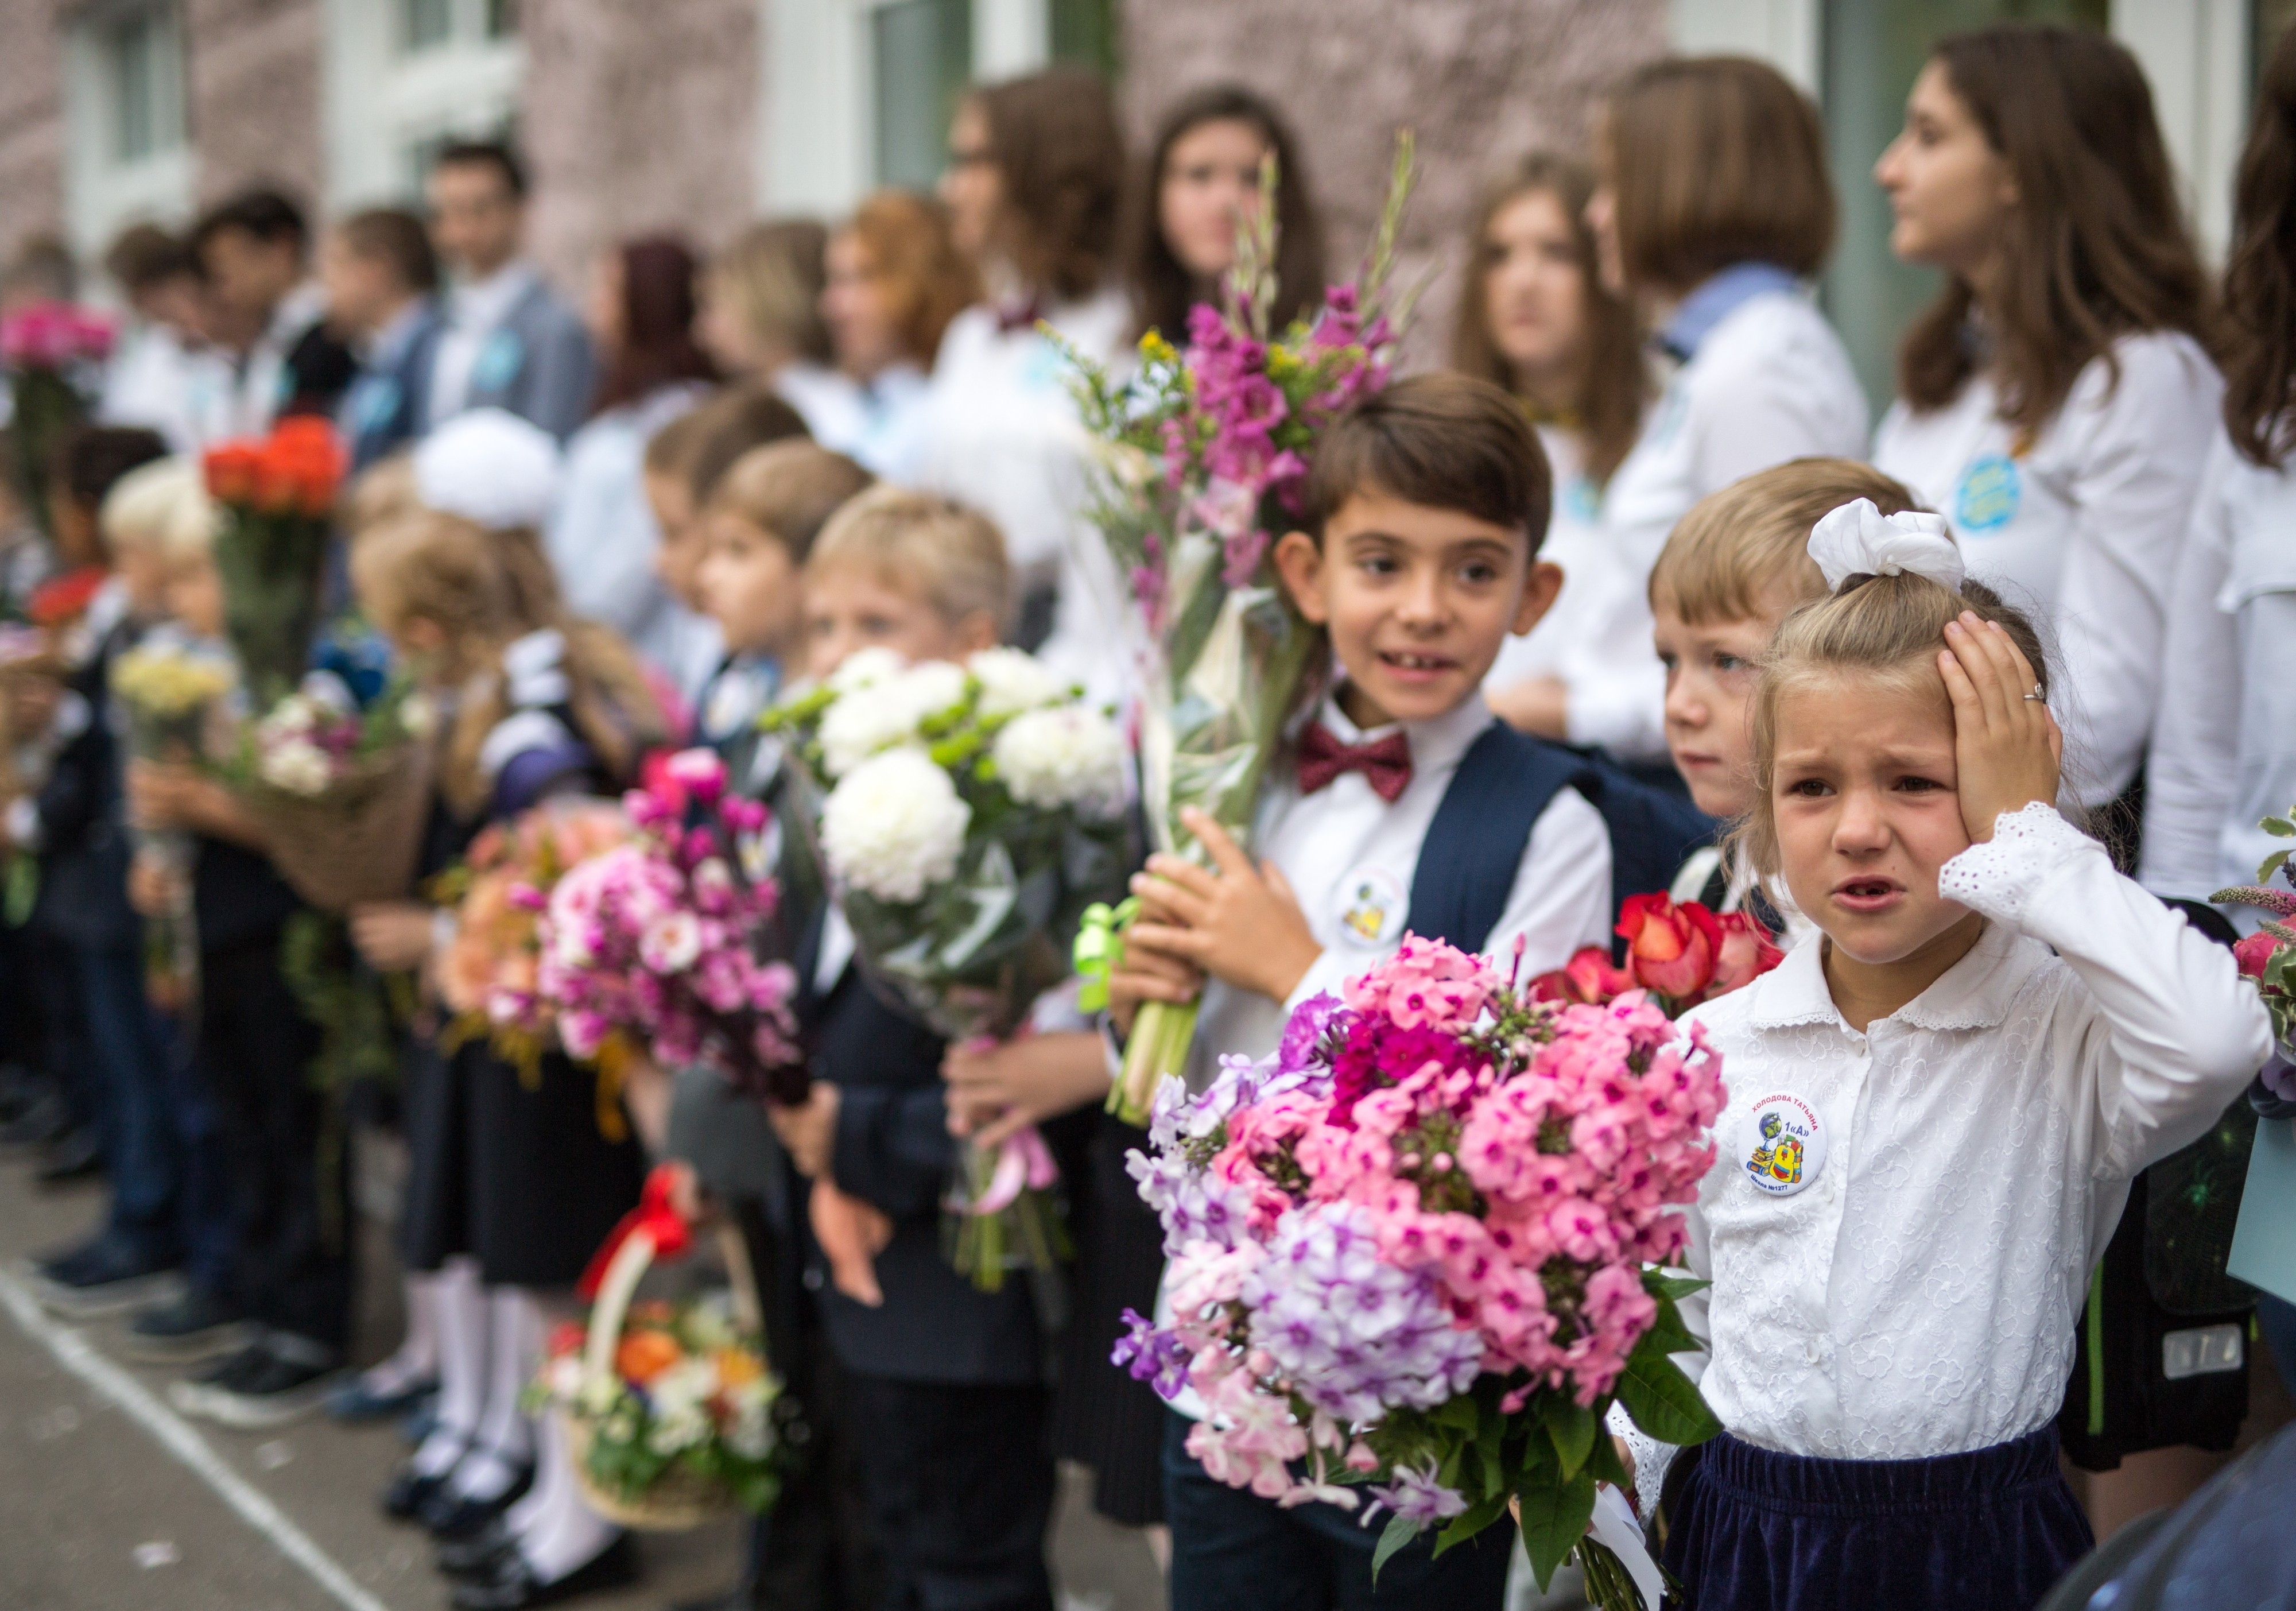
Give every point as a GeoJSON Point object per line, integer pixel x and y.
{"type": "Point", "coordinates": [1372, 904]}
{"type": "Point", "coordinates": [1783, 1147]}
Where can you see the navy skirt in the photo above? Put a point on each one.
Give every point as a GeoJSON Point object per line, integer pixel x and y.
{"type": "Point", "coordinates": [1990, 1530]}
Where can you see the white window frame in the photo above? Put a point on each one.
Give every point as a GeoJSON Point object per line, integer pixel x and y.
{"type": "Point", "coordinates": [381, 100]}
{"type": "Point", "coordinates": [816, 140]}
{"type": "Point", "coordinates": [103, 193]}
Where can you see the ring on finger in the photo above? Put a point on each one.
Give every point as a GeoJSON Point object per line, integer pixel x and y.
{"type": "Point", "coordinates": [2038, 693]}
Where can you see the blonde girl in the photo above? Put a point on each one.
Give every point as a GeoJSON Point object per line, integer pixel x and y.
{"type": "Point", "coordinates": [1986, 1036]}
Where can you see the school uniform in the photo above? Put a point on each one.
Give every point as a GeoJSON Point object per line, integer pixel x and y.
{"type": "Point", "coordinates": [1753, 376]}
{"type": "Point", "coordinates": [294, 366]}
{"type": "Point", "coordinates": [2083, 523]}
{"type": "Point", "coordinates": [512, 343]}
{"type": "Point", "coordinates": [943, 1384]}
{"type": "Point", "coordinates": [1357, 834]}
{"type": "Point", "coordinates": [1900, 1226]}
{"type": "Point", "coordinates": [880, 422]}
{"type": "Point", "coordinates": [389, 403]}
{"type": "Point", "coordinates": [1000, 433]}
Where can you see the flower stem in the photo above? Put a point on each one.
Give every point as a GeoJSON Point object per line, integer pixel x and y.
{"type": "Point", "coordinates": [1161, 1037]}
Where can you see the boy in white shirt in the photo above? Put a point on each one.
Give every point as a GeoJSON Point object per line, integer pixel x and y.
{"type": "Point", "coordinates": [1418, 552]}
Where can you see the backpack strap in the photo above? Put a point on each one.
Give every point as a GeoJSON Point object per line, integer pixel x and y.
{"type": "Point", "coordinates": [1467, 862]}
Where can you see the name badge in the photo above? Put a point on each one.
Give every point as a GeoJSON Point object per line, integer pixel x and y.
{"type": "Point", "coordinates": [1990, 490]}
{"type": "Point", "coordinates": [1373, 905]}
{"type": "Point", "coordinates": [498, 362]}
{"type": "Point", "coordinates": [1784, 1148]}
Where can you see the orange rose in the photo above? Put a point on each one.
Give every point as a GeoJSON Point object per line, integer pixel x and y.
{"type": "Point", "coordinates": [644, 1354]}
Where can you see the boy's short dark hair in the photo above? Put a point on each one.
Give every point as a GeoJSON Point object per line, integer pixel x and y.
{"type": "Point", "coordinates": [144, 256]}
{"type": "Point", "coordinates": [701, 444]}
{"type": "Point", "coordinates": [495, 154]}
{"type": "Point", "coordinates": [90, 460]}
{"type": "Point", "coordinates": [398, 238]}
{"type": "Point", "coordinates": [1448, 441]}
{"type": "Point", "coordinates": [265, 213]}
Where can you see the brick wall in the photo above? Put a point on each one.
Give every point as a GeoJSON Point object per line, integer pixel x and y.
{"type": "Point", "coordinates": [31, 123]}
{"type": "Point", "coordinates": [1480, 81]}
{"type": "Point", "coordinates": [637, 117]}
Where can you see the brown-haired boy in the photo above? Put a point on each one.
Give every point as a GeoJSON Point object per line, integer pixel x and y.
{"type": "Point", "coordinates": [1411, 807]}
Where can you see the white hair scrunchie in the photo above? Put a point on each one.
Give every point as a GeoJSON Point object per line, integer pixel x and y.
{"type": "Point", "coordinates": [1858, 539]}
{"type": "Point", "coordinates": [490, 467]}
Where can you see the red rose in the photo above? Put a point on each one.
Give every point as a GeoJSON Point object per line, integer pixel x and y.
{"type": "Point", "coordinates": [1670, 950]}
{"type": "Point", "coordinates": [1588, 978]}
{"type": "Point", "coordinates": [1748, 952]}
{"type": "Point", "coordinates": [232, 470]}
{"type": "Point", "coordinates": [2253, 952]}
{"type": "Point", "coordinates": [567, 1337]}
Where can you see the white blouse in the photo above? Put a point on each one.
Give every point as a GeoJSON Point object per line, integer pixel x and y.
{"type": "Point", "coordinates": [1770, 381]}
{"type": "Point", "coordinates": [2224, 748]}
{"type": "Point", "coordinates": [1001, 432]}
{"type": "Point", "coordinates": [2084, 523]}
{"type": "Point", "coordinates": [1917, 1296]}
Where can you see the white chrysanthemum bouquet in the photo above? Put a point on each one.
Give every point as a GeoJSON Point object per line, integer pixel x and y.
{"type": "Point", "coordinates": [966, 816]}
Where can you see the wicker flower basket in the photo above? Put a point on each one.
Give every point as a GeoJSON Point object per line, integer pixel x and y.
{"type": "Point", "coordinates": [357, 841]}
{"type": "Point", "coordinates": [681, 1500]}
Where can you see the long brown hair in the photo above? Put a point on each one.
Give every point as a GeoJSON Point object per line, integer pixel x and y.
{"type": "Point", "coordinates": [771, 273]}
{"type": "Point", "coordinates": [1053, 138]}
{"type": "Point", "coordinates": [657, 346]}
{"type": "Point", "coordinates": [927, 281]}
{"type": "Point", "coordinates": [2096, 247]}
{"type": "Point", "coordinates": [1609, 401]}
{"type": "Point", "coordinates": [2260, 284]}
{"type": "Point", "coordinates": [1162, 288]}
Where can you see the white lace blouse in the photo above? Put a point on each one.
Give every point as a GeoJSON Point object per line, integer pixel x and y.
{"type": "Point", "coordinates": [1917, 1295]}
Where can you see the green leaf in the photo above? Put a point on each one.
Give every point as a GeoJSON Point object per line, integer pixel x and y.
{"type": "Point", "coordinates": [2279, 827]}
{"type": "Point", "coordinates": [1668, 1334]}
{"type": "Point", "coordinates": [1554, 1518]}
{"type": "Point", "coordinates": [2270, 865]}
{"type": "Point", "coordinates": [1573, 1429]}
{"type": "Point", "coordinates": [1400, 1531]}
{"type": "Point", "coordinates": [1671, 1286]}
{"type": "Point", "coordinates": [1478, 1516]}
{"type": "Point", "coordinates": [1663, 1401]}
{"type": "Point", "coordinates": [1461, 1414]}
{"type": "Point", "coordinates": [1605, 1466]}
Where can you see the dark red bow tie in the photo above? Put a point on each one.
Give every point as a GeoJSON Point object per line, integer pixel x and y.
{"type": "Point", "coordinates": [1384, 762]}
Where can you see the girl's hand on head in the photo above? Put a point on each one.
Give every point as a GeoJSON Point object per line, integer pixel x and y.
{"type": "Point", "coordinates": [1242, 923]}
{"type": "Point", "coordinates": [2007, 748]}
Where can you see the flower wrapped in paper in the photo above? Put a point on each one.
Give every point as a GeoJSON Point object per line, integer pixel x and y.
{"type": "Point", "coordinates": [173, 690]}
{"type": "Point", "coordinates": [967, 817]}
{"type": "Point", "coordinates": [1415, 1256]}
{"type": "Point", "coordinates": [1204, 452]}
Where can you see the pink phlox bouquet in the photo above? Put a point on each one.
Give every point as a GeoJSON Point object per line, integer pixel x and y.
{"type": "Point", "coordinates": [1414, 1255]}
{"type": "Point", "coordinates": [654, 937]}
{"type": "Point", "coordinates": [1203, 454]}
{"type": "Point", "coordinates": [54, 335]}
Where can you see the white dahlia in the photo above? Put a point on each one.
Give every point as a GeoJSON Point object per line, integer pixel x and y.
{"type": "Point", "coordinates": [1065, 756]}
{"type": "Point", "coordinates": [894, 825]}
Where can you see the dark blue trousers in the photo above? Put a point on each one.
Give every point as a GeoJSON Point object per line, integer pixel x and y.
{"type": "Point", "coordinates": [1986, 1531]}
{"type": "Point", "coordinates": [131, 1045]}
{"type": "Point", "coordinates": [1233, 1550]}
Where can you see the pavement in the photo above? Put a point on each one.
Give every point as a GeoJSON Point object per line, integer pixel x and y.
{"type": "Point", "coordinates": [110, 1500]}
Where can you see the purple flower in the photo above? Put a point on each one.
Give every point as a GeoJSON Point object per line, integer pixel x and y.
{"type": "Point", "coordinates": [1417, 1497]}
{"type": "Point", "coordinates": [1304, 1030]}
{"type": "Point", "coordinates": [1155, 1357]}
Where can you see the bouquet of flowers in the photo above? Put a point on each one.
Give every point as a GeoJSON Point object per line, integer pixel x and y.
{"type": "Point", "coordinates": [340, 789]}
{"type": "Point", "coordinates": [652, 938]}
{"type": "Point", "coordinates": [668, 1408]}
{"type": "Point", "coordinates": [171, 688]}
{"type": "Point", "coordinates": [967, 817]}
{"type": "Point", "coordinates": [1678, 952]}
{"type": "Point", "coordinates": [1410, 1255]}
{"type": "Point", "coordinates": [2269, 955]}
{"type": "Point", "coordinates": [1204, 453]}
{"type": "Point", "coordinates": [47, 346]}
{"type": "Point", "coordinates": [278, 495]}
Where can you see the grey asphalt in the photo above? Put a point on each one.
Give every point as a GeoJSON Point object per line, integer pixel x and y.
{"type": "Point", "coordinates": [96, 1512]}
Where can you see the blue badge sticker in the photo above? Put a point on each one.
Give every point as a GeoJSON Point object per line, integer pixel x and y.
{"type": "Point", "coordinates": [1990, 490]}
{"type": "Point", "coordinates": [498, 361]}
{"type": "Point", "coordinates": [1581, 500]}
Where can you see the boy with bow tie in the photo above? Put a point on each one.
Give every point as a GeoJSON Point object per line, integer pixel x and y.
{"type": "Point", "coordinates": [1412, 809]}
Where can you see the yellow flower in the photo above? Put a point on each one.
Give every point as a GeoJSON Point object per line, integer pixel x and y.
{"type": "Point", "coordinates": [162, 682]}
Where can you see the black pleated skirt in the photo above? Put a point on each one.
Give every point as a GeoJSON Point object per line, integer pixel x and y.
{"type": "Point", "coordinates": [1990, 1530]}
{"type": "Point", "coordinates": [435, 1220]}
{"type": "Point", "coordinates": [1101, 1416]}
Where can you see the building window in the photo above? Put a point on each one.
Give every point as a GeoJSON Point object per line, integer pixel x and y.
{"type": "Point", "coordinates": [425, 24]}
{"type": "Point", "coordinates": [1084, 31]}
{"type": "Point", "coordinates": [921, 59]}
{"type": "Point", "coordinates": [403, 78]}
{"type": "Point", "coordinates": [126, 157]}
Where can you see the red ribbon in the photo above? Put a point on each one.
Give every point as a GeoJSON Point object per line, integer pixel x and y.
{"type": "Point", "coordinates": [654, 1215]}
{"type": "Point", "coordinates": [1384, 762]}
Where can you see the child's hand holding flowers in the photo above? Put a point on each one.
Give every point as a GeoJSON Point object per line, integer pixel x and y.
{"type": "Point", "coordinates": [2007, 748]}
{"type": "Point", "coordinates": [1241, 922]}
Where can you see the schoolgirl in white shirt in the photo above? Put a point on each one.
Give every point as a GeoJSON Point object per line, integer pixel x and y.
{"type": "Point", "coordinates": [1714, 208]}
{"type": "Point", "coordinates": [2054, 403]}
{"type": "Point", "coordinates": [1937, 1103]}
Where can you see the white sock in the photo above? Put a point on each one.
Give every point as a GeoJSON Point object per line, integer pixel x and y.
{"type": "Point", "coordinates": [557, 1531]}
{"type": "Point", "coordinates": [506, 1437]}
{"type": "Point", "coordinates": [460, 1306]}
{"type": "Point", "coordinates": [417, 1358]}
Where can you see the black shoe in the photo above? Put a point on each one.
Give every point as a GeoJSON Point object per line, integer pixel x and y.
{"type": "Point", "coordinates": [45, 1120]}
{"type": "Point", "coordinates": [73, 1156]}
{"type": "Point", "coordinates": [450, 1515]}
{"type": "Point", "coordinates": [276, 1381]}
{"type": "Point", "coordinates": [195, 1325]}
{"type": "Point", "coordinates": [510, 1585]}
{"type": "Point", "coordinates": [103, 1276]}
{"type": "Point", "coordinates": [474, 1554]}
{"type": "Point", "coordinates": [410, 1490]}
{"type": "Point", "coordinates": [356, 1402]}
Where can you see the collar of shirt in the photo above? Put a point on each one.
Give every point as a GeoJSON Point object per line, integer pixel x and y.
{"type": "Point", "coordinates": [1716, 298]}
{"type": "Point", "coordinates": [1435, 743]}
{"type": "Point", "coordinates": [1974, 993]}
{"type": "Point", "coordinates": [483, 304]}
